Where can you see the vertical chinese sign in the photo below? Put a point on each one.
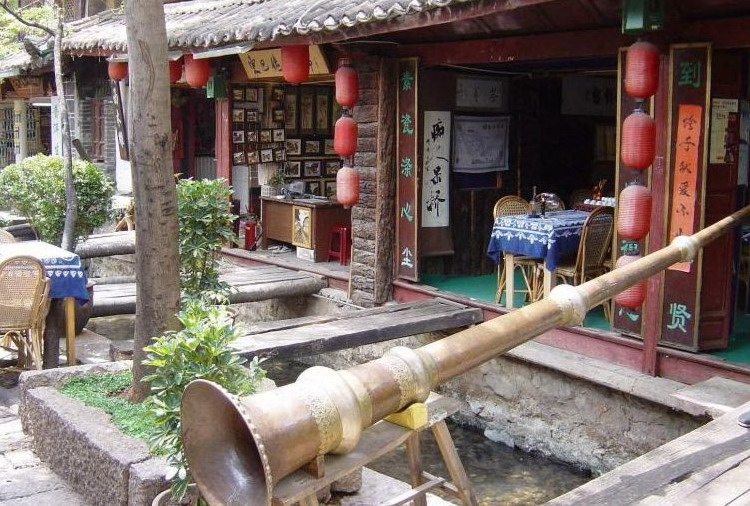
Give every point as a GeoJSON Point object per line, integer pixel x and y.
{"type": "Point", "coordinates": [407, 215]}
{"type": "Point", "coordinates": [690, 78]}
{"type": "Point", "coordinates": [436, 146]}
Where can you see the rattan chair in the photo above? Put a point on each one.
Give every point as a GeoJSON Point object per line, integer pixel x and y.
{"type": "Point", "coordinates": [596, 239]}
{"type": "Point", "coordinates": [508, 206]}
{"type": "Point", "coordinates": [24, 302]}
{"type": "Point", "coordinates": [6, 237]}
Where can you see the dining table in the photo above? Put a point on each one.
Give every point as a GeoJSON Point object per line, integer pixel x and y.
{"type": "Point", "coordinates": [549, 238]}
{"type": "Point", "coordinates": [67, 287]}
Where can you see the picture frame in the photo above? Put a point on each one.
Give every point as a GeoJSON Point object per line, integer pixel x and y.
{"type": "Point", "coordinates": [238, 94]}
{"type": "Point", "coordinates": [331, 167]}
{"type": "Point", "coordinates": [312, 147]}
{"type": "Point", "coordinates": [277, 115]}
{"type": "Point", "coordinates": [311, 168]}
{"type": "Point", "coordinates": [266, 155]}
{"type": "Point", "coordinates": [253, 157]}
{"type": "Point", "coordinates": [307, 111]}
{"type": "Point", "coordinates": [252, 136]}
{"type": "Point", "coordinates": [265, 136]}
{"type": "Point", "coordinates": [238, 115]}
{"type": "Point", "coordinates": [238, 158]}
{"type": "Point", "coordinates": [293, 147]}
{"type": "Point", "coordinates": [238, 136]}
{"type": "Point", "coordinates": [277, 93]}
{"type": "Point", "coordinates": [279, 155]}
{"type": "Point", "coordinates": [329, 189]}
{"type": "Point", "coordinates": [293, 168]}
{"type": "Point", "coordinates": [302, 226]}
{"type": "Point", "coordinates": [313, 188]}
{"type": "Point", "coordinates": [322, 110]}
{"type": "Point", "coordinates": [252, 116]}
{"type": "Point", "coordinates": [278, 135]}
{"type": "Point", "coordinates": [251, 94]}
{"type": "Point", "coordinates": [328, 147]}
{"type": "Point", "coordinates": [291, 112]}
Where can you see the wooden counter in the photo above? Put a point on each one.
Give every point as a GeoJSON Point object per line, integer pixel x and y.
{"type": "Point", "coordinates": [305, 223]}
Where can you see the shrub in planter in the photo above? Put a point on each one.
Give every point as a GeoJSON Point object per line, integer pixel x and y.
{"type": "Point", "coordinates": [201, 350]}
{"type": "Point", "coordinates": [205, 224]}
{"type": "Point", "coordinates": [35, 187]}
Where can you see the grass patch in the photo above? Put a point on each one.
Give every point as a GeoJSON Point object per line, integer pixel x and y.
{"type": "Point", "coordinates": [100, 390]}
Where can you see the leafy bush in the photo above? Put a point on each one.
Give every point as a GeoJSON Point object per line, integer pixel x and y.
{"type": "Point", "coordinates": [205, 224]}
{"type": "Point", "coordinates": [201, 350]}
{"type": "Point", "coordinates": [35, 187]}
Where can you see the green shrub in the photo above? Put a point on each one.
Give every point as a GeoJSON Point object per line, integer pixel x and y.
{"type": "Point", "coordinates": [201, 350]}
{"type": "Point", "coordinates": [35, 187]}
{"type": "Point", "coordinates": [205, 224]}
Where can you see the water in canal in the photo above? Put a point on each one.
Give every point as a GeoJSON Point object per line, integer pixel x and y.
{"type": "Point", "coordinates": [500, 475]}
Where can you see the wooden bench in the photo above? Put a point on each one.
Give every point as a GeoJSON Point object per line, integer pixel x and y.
{"type": "Point", "coordinates": [319, 334]}
{"type": "Point", "coordinates": [249, 284]}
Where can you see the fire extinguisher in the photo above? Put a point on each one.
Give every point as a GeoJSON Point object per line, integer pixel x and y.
{"type": "Point", "coordinates": [253, 233]}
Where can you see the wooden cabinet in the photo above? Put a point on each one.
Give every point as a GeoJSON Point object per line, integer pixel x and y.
{"type": "Point", "coordinates": [304, 223]}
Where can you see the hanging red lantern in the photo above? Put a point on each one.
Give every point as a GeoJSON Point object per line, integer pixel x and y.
{"type": "Point", "coordinates": [347, 186]}
{"type": "Point", "coordinates": [175, 70]}
{"type": "Point", "coordinates": [634, 212]}
{"type": "Point", "coordinates": [642, 70]}
{"type": "Point", "coordinates": [295, 63]}
{"type": "Point", "coordinates": [117, 70]}
{"type": "Point", "coordinates": [638, 140]}
{"type": "Point", "coordinates": [345, 136]}
{"type": "Point", "coordinates": [633, 297]}
{"type": "Point", "coordinates": [197, 71]}
{"type": "Point", "coordinates": [347, 84]}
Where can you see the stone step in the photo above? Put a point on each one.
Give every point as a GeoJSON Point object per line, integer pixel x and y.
{"type": "Point", "coordinates": [716, 395]}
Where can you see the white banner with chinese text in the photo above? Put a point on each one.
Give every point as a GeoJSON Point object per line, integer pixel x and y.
{"type": "Point", "coordinates": [436, 147]}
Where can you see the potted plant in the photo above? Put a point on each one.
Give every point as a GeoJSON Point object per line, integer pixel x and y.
{"type": "Point", "coordinates": [274, 185]}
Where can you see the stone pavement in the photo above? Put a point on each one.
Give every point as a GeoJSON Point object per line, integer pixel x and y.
{"type": "Point", "coordinates": [24, 479]}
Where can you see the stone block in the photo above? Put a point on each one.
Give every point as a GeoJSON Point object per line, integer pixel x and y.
{"type": "Point", "coordinates": [349, 484]}
{"type": "Point", "coordinates": [147, 480]}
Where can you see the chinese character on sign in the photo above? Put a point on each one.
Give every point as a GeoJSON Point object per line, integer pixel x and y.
{"type": "Point", "coordinates": [406, 258]}
{"type": "Point", "coordinates": [690, 74]}
{"type": "Point", "coordinates": [629, 248]}
{"type": "Point", "coordinates": [683, 189]}
{"type": "Point", "coordinates": [682, 210]}
{"type": "Point", "coordinates": [689, 122]}
{"type": "Point", "coordinates": [406, 124]}
{"type": "Point", "coordinates": [438, 130]}
{"type": "Point", "coordinates": [679, 315]}
{"type": "Point", "coordinates": [684, 167]}
{"type": "Point", "coordinates": [406, 166]}
{"type": "Point", "coordinates": [407, 213]}
{"type": "Point", "coordinates": [407, 79]}
{"type": "Point", "coordinates": [433, 203]}
{"type": "Point", "coordinates": [436, 178]}
{"type": "Point", "coordinates": [687, 144]}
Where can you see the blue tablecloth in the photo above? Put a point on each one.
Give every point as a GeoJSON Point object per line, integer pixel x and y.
{"type": "Point", "coordinates": [64, 269]}
{"type": "Point", "coordinates": [551, 237]}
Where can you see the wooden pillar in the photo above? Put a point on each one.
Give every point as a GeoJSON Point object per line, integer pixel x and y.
{"type": "Point", "coordinates": [222, 146]}
{"type": "Point", "coordinates": [20, 129]}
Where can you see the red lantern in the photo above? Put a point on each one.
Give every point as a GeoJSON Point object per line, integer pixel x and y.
{"type": "Point", "coordinates": [642, 70]}
{"type": "Point", "coordinates": [347, 84]}
{"type": "Point", "coordinates": [117, 70]}
{"type": "Point", "coordinates": [295, 63]}
{"type": "Point", "coordinates": [197, 71]}
{"type": "Point", "coordinates": [347, 186]}
{"type": "Point", "coordinates": [633, 297]}
{"type": "Point", "coordinates": [175, 70]}
{"type": "Point", "coordinates": [638, 140]}
{"type": "Point", "coordinates": [634, 212]}
{"type": "Point", "coordinates": [345, 136]}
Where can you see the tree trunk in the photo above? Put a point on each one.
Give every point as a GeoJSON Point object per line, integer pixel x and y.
{"type": "Point", "coordinates": [157, 258]}
{"type": "Point", "coordinates": [71, 199]}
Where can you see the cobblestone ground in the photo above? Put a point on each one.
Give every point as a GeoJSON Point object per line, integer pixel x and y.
{"type": "Point", "coordinates": [24, 479]}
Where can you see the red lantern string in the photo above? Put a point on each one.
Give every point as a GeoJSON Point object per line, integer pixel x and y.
{"type": "Point", "coordinates": [633, 297]}
{"type": "Point", "coordinates": [642, 70]}
{"type": "Point", "coordinates": [117, 70]}
{"type": "Point", "coordinates": [634, 212]}
{"type": "Point", "coordinates": [347, 84]}
{"type": "Point", "coordinates": [295, 63]}
{"type": "Point", "coordinates": [638, 140]}
{"type": "Point", "coordinates": [345, 136]}
{"type": "Point", "coordinates": [197, 71]}
{"type": "Point", "coordinates": [347, 186]}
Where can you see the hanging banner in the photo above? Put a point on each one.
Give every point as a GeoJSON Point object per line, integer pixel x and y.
{"type": "Point", "coordinates": [690, 77]}
{"type": "Point", "coordinates": [407, 217]}
{"type": "Point", "coordinates": [265, 63]}
{"type": "Point", "coordinates": [436, 145]}
{"type": "Point", "coordinates": [723, 142]}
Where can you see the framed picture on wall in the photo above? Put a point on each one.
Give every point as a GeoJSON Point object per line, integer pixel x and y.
{"type": "Point", "coordinates": [278, 135]}
{"type": "Point", "coordinates": [302, 226]}
{"type": "Point", "coordinates": [279, 155]}
{"type": "Point", "coordinates": [311, 168]}
{"type": "Point", "coordinates": [307, 111]}
{"type": "Point", "coordinates": [332, 167]}
{"type": "Point", "coordinates": [294, 168]}
{"type": "Point", "coordinates": [322, 110]}
{"type": "Point", "coordinates": [313, 188]}
{"type": "Point", "coordinates": [312, 147]}
{"type": "Point", "coordinates": [293, 147]}
{"type": "Point", "coordinates": [238, 136]}
{"type": "Point", "coordinates": [328, 149]}
{"type": "Point", "coordinates": [291, 109]}
{"type": "Point", "coordinates": [329, 188]}
{"type": "Point", "coordinates": [252, 136]}
{"type": "Point", "coordinates": [251, 94]}
{"type": "Point", "coordinates": [252, 116]}
{"type": "Point", "coordinates": [266, 155]}
{"type": "Point", "coordinates": [277, 93]}
{"type": "Point", "coordinates": [238, 115]}
{"type": "Point", "coordinates": [238, 158]}
{"type": "Point", "coordinates": [238, 94]}
{"type": "Point", "coordinates": [277, 115]}
{"type": "Point", "coordinates": [253, 157]}
{"type": "Point", "coordinates": [266, 136]}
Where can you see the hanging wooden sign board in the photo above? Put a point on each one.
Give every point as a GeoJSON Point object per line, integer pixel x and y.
{"type": "Point", "coordinates": [407, 207]}
{"type": "Point", "coordinates": [690, 77]}
{"type": "Point", "coordinates": [266, 63]}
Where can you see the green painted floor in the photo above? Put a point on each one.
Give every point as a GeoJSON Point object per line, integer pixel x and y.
{"type": "Point", "coordinates": [482, 288]}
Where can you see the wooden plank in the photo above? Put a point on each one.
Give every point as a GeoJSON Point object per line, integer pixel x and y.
{"type": "Point", "coordinates": [671, 463]}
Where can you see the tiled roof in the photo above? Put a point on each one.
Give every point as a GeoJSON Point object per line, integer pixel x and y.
{"type": "Point", "coordinates": [21, 61]}
{"type": "Point", "coordinates": [210, 23]}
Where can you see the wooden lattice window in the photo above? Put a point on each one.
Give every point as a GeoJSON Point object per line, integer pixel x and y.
{"type": "Point", "coordinates": [73, 9]}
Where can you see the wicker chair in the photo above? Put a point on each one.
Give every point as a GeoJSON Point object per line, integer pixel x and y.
{"type": "Point", "coordinates": [508, 206]}
{"type": "Point", "coordinates": [24, 302]}
{"type": "Point", "coordinates": [6, 237]}
{"type": "Point", "coordinates": [596, 239]}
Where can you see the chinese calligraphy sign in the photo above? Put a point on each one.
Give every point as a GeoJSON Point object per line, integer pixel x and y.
{"type": "Point", "coordinates": [407, 205]}
{"type": "Point", "coordinates": [435, 168]}
{"type": "Point", "coordinates": [265, 63]}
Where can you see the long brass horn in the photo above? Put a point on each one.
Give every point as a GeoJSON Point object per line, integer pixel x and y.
{"type": "Point", "coordinates": [238, 448]}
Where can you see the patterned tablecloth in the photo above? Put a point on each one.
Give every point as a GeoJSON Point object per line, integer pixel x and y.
{"type": "Point", "coordinates": [551, 237]}
{"type": "Point", "coordinates": [64, 269]}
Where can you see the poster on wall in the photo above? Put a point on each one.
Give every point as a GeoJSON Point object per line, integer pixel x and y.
{"type": "Point", "coordinates": [480, 143]}
{"type": "Point", "coordinates": [723, 142]}
{"type": "Point", "coordinates": [436, 146]}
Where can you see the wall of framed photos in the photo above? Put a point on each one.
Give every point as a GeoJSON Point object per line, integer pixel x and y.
{"type": "Point", "coordinates": [279, 127]}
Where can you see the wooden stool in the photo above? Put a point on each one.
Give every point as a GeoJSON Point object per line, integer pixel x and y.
{"type": "Point", "coordinates": [383, 437]}
{"type": "Point", "coordinates": [341, 244]}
